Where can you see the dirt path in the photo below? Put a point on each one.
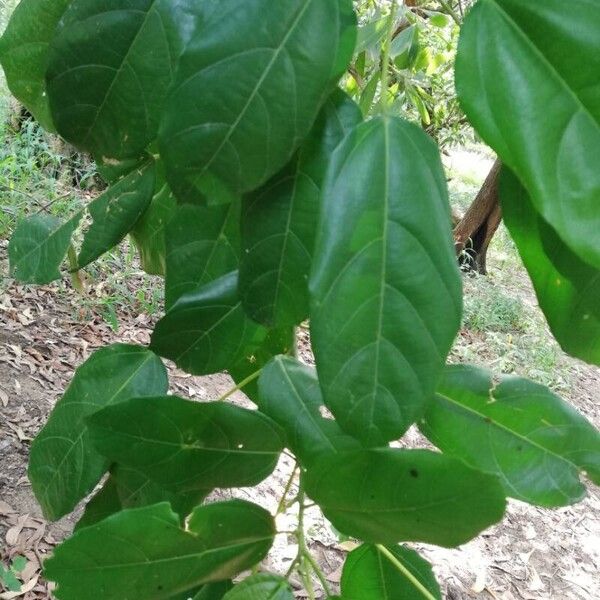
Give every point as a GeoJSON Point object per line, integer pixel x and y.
{"type": "Point", "coordinates": [45, 334]}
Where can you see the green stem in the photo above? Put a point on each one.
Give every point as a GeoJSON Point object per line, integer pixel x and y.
{"type": "Point", "coordinates": [418, 585]}
{"type": "Point", "coordinates": [315, 567]}
{"type": "Point", "coordinates": [282, 505]}
{"type": "Point", "coordinates": [385, 67]}
{"type": "Point", "coordinates": [240, 385]}
{"type": "Point", "coordinates": [450, 11]}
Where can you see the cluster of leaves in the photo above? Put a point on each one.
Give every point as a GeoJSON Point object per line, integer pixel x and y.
{"type": "Point", "coordinates": [257, 188]}
{"type": "Point", "coordinates": [421, 69]}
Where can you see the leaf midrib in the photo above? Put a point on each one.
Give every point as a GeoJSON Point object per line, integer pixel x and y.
{"type": "Point", "coordinates": [558, 75]}
{"type": "Point", "coordinates": [278, 50]}
{"type": "Point", "coordinates": [497, 424]}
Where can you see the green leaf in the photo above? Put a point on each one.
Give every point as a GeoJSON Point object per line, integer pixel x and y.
{"type": "Point", "coordinates": [202, 246]}
{"type": "Point", "coordinates": [386, 291]}
{"type": "Point", "coordinates": [387, 496]}
{"type": "Point", "coordinates": [150, 231]}
{"type": "Point", "coordinates": [38, 247]}
{"type": "Point", "coordinates": [279, 223]}
{"type": "Point", "coordinates": [109, 69]}
{"type": "Point", "coordinates": [115, 213]}
{"type": "Point", "coordinates": [518, 430]}
{"type": "Point", "coordinates": [278, 341]}
{"type": "Point", "coordinates": [368, 95]}
{"type": "Point", "coordinates": [207, 330]}
{"type": "Point", "coordinates": [370, 35]}
{"type": "Point", "coordinates": [289, 393]}
{"type": "Point", "coordinates": [527, 77]}
{"type": "Point", "coordinates": [369, 575]}
{"type": "Point", "coordinates": [9, 580]}
{"type": "Point", "coordinates": [186, 445]}
{"type": "Point", "coordinates": [143, 553]}
{"type": "Point", "coordinates": [214, 591]}
{"type": "Point", "coordinates": [24, 53]}
{"type": "Point", "coordinates": [103, 504]}
{"type": "Point", "coordinates": [261, 587]}
{"type": "Point", "coordinates": [18, 564]}
{"type": "Point", "coordinates": [405, 47]}
{"type": "Point", "coordinates": [128, 488]}
{"type": "Point", "coordinates": [63, 466]}
{"type": "Point", "coordinates": [567, 289]}
{"type": "Point", "coordinates": [226, 129]}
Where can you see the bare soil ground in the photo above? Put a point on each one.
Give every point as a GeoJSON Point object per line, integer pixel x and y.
{"type": "Point", "coordinates": [45, 334]}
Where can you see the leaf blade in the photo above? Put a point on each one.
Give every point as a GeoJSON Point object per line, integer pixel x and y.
{"type": "Point", "coordinates": [63, 467]}
{"type": "Point", "coordinates": [386, 300]}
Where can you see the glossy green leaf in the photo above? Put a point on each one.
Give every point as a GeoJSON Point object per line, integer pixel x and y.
{"type": "Point", "coordinates": [116, 212]}
{"type": "Point", "coordinates": [202, 246]}
{"type": "Point", "coordinates": [370, 575]}
{"type": "Point", "coordinates": [183, 445]}
{"type": "Point", "coordinates": [279, 223]}
{"type": "Point", "coordinates": [109, 69]}
{"type": "Point", "coordinates": [387, 496]}
{"type": "Point", "coordinates": [144, 553]}
{"type": "Point", "coordinates": [567, 289]}
{"type": "Point", "coordinates": [278, 341]}
{"type": "Point", "coordinates": [150, 231]}
{"type": "Point", "coordinates": [248, 89]}
{"type": "Point", "coordinates": [63, 465]}
{"type": "Point", "coordinates": [518, 430]}
{"type": "Point", "coordinates": [38, 247]}
{"type": "Point", "coordinates": [261, 587]}
{"type": "Point", "coordinates": [207, 330]}
{"type": "Point", "coordinates": [289, 393]}
{"type": "Point", "coordinates": [527, 77]}
{"type": "Point", "coordinates": [214, 591]}
{"type": "Point", "coordinates": [24, 52]}
{"type": "Point", "coordinates": [386, 291]}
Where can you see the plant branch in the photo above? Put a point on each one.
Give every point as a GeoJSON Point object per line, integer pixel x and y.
{"type": "Point", "coordinates": [418, 585]}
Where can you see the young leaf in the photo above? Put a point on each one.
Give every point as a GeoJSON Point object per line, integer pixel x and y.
{"type": "Point", "coordinates": [226, 129]}
{"type": "Point", "coordinates": [567, 289]}
{"type": "Point", "coordinates": [370, 575]}
{"type": "Point", "coordinates": [387, 496]}
{"type": "Point", "coordinates": [144, 553]}
{"type": "Point", "coordinates": [38, 247]}
{"type": "Point", "coordinates": [115, 213]}
{"type": "Point", "coordinates": [149, 232]}
{"type": "Point", "coordinates": [386, 291]}
{"type": "Point", "coordinates": [527, 77]}
{"type": "Point", "coordinates": [518, 430]}
{"type": "Point", "coordinates": [63, 465]}
{"type": "Point", "coordinates": [261, 587]}
{"type": "Point", "coordinates": [278, 341]}
{"type": "Point", "coordinates": [202, 246]}
{"type": "Point", "coordinates": [24, 53]}
{"type": "Point", "coordinates": [279, 223]}
{"type": "Point", "coordinates": [289, 393]}
{"type": "Point", "coordinates": [185, 445]}
{"type": "Point", "coordinates": [207, 330]}
{"type": "Point", "coordinates": [109, 68]}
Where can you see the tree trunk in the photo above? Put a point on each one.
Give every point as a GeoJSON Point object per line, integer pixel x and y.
{"type": "Point", "coordinates": [473, 234]}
